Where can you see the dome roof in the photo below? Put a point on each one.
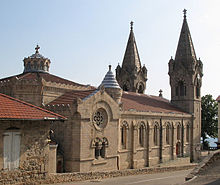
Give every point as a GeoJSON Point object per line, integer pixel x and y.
{"type": "Point", "coordinates": [36, 55]}
{"type": "Point", "coordinates": [36, 62]}
{"type": "Point", "coordinates": [109, 80]}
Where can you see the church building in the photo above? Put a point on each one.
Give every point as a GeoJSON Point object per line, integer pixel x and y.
{"type": "Point", "coordinates": [116, 126]}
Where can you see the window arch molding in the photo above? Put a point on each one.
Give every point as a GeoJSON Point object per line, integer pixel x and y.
{"type": "Point", "coordinates": [140, 87]}
{"type": "Point", "coordinates": [180, 87]}
{"type": "Point", "coordinates": [126, 86]}
{"type": "Point", "coordinates": [198, 84]}
{"type": "Point", "coordinates": [187, 127]}
{"type": "Point", "coordinates": [124, 134]}
{"type": "Point", "coordinates": [141, 133]}
{"type": "Point", "coordinates": [142, 124]}
{"type": "Point", "coordinates": [168, 134]}
{"type": "Point", "coordinates": [178, 131]}
{"type": "Point", "coordinates": [100, 146]}
{"type": "Point", "coordinates": [156, 133]}
{"type": "Point", "coordinates": [125, 124]}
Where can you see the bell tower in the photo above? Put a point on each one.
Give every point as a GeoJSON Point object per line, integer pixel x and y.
{"type": "Point", "coordinates": [186, 73]}
{"type": "Point", "coordinates": [131, 76]}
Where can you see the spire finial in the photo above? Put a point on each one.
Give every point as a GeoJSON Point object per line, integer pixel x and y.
{"type": "Point", "coordinates": [184, 13]}
{"type": "Point", "coordinates": [160, 93]}
{"type": "Point", "coordinates": [37, 48]}
{"type": "Point", "coordinates": [131, 23]}
{"type": "Point", "coordinates": [109, 66]}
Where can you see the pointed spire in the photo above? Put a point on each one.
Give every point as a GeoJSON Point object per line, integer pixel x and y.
{"type": "Point", "coordinates": [185, 50]}
{"type": "Point", "coordinates": [131, 59]}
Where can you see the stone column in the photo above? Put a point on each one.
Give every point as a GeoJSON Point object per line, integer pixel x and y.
{"type": "Point", "coordinates": [134, 145]}
{"type": "Point", "coordinates": [161, 141]}
{"type": "Point", "coordinates": [52, 158]}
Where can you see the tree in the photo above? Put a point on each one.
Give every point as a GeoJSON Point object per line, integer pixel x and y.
{"type": "Point", "coordinates": [209, 118]}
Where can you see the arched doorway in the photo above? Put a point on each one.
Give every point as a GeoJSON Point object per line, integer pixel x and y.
{"type": "Point", "coordinates": [178, 149]}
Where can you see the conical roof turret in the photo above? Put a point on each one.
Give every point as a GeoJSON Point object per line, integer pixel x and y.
{"type": "Point", "coordinates": [109, 80]}
{"type": "Point", "coordinates": [185, 49]}
{"type": "Point", "coordinates": [131, 61]}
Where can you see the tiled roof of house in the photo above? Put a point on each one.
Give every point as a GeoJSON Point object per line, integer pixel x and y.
{"type": "Point", "coordinates": [148, 103]}
{"type": "Point", "coordinates": [46, 76]}
{"type": "Point", "coordinates": [218, 99]}
{"type": "Point", "coordinates": [11, 108]}
{"type": "Point", "coordinates": [70, 96]}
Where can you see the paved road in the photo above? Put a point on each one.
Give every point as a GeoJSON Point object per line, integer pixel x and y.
{"type": "Point", "coordinates": [209, 175]}
{"type": "Point", "coordinates": [205, 180]}
{"type": "Point", "coordinates": [167, 178]}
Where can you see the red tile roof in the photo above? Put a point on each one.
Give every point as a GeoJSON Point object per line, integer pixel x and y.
{"type": "Point", "coordinates": [11, 108]}
{"type": "Point", "coordinates": [218, 99]}
{"type": "Point", "coordinates": [70, 96]}
{"type": "Point", "coordinates": [145, 103]}
{"type": "Point", "coordinates": [46, 76]}
{"type": "Point", "coordinates": [130, 100]}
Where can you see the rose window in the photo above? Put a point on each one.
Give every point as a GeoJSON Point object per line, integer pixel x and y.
{"type": "Point", "coordinates": [100, 118]}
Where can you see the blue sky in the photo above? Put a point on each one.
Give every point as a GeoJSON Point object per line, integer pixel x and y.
{"type": "Point", "coordinates": [83, 37]}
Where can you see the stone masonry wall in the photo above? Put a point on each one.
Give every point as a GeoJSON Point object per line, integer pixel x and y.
{"type": "Point", "coordinates": [32, 178]}
{"type": "Point", "coordinates": [34, 150]}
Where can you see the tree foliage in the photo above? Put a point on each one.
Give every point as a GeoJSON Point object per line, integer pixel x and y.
{"type": "Point", "coordinates": [209, 117]}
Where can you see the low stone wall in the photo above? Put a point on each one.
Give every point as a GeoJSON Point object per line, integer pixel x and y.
{"type": "Point", "coordinates": [68, 177]}
{"type": "Point", "coordinates": [204, 164]}
{"type": "Point", "coordinates": [21, 177]}
{"type": "Point", "coordinates": [35, 178]}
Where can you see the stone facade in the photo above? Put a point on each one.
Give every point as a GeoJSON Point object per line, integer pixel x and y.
{"type": "Point", "coordinates": [110, 129]}
{"type": "Point", "coordinates": [34, 149]}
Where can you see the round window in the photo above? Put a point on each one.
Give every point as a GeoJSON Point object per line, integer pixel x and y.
{"type": "Point", "coordinates": [100, 118]}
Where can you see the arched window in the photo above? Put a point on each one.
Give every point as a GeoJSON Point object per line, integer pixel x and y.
{"type": "Point", "coordinates": [35, 65]}
{"type": "Point", "coordinates": [141, 135]}
{"type": "Point", "coordinates": [28, 66]}
{"type": "Point", "coordinates": [100, 147]}
{"type": "Point", "coordinates": [97, 149]}
{"type": "Point", "coordinates": [197, 90]}
{"type": "Point", "coordinates": [180, 89]}
{"type": "Point", "coordinates": [168, 134]}
{"type": "Point", "coordinates": [47, 66]}
{"type": "Point", "coordinates": [125, 88]}
{"type": "Point", "coordinates": [124, 131]}
{"type": "Point", "coordinates": [41, 65]}
{"type": "Point", "coordinates": [187, 133]}
{"type": "Point", "coordinates": [103, 148]}
{"type": "Point", "coordinates": [178, 132]}
{"type": "Point", "coordinates": [141, 89]}
{"type": "Point", "coordinates": [156, 134]}
{"type": "Point", "coordinates": [177, 91]}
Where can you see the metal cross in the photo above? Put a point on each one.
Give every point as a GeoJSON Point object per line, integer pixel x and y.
{"type": "Point", "coordinates": [37, 48]}
{"type": "Point", "coordinates": [184, 13]}
{"type": "Point", "coordinates": [131, 23]}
